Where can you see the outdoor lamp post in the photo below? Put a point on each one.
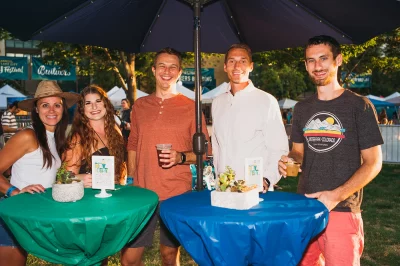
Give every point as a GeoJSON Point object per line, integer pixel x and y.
{"type": "Point", "coordinates": [199, 139]}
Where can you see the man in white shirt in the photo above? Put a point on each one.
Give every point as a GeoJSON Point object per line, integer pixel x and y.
{"type": "Point", "coordinates": [247, 122]}
{"type": "Point", "coordinates": [8, 121]}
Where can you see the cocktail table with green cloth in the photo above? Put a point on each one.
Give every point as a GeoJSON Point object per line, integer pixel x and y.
{"type": "Point", "coordinates": [82, 232]}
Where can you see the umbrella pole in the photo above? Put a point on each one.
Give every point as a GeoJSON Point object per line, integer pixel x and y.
{"type": "Point", "coordinates": [199, 139]}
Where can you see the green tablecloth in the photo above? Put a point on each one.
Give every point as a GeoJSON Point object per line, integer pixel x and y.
{"type": "Point", "coordinates": [82, 232]}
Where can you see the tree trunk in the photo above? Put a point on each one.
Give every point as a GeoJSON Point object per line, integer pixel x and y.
{"type": "Point", "coordinates": [129, 64]}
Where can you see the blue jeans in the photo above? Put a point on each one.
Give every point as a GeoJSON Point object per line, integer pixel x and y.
{"type": "Point", "coordinates": [7, 239]}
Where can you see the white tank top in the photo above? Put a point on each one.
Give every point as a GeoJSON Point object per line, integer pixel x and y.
{"type": "Point", "coordinates": [29, 169]}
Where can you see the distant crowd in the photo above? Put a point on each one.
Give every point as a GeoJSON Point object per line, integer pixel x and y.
{"type": "Point", "coordinates": [287, 116]}
{"type": "Point", "coordinates": [384, 119]}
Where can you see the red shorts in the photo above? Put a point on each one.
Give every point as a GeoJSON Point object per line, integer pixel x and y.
{"type": "Point", "coordinates": [341, 243]}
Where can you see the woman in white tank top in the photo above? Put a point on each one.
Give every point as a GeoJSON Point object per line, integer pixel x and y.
{"type": "Point", "coordinates": [34, 154]}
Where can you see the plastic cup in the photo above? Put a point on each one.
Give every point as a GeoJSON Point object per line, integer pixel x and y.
{"type": "Point", "coordinates": [292, 169]}
{"type": "Point", "coordinates": [161, 147]}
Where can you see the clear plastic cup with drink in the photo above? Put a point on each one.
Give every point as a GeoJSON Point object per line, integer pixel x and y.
{"type": "Point", "coordinates": [161, 147]}
{"type": "Point", "coordinates": [292, 168]}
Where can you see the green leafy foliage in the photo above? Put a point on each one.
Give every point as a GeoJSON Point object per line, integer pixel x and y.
{"type": "Point", "coordinates": [279, 72]}
{"type": "Point", "coordinates": [284, 82]}
{"type": "Point", "coordinates": [226, 179]}
{"type": "Point", "coordinates": [227, 182]}
{"type": "Point", "coordinates": [379, 57]}
{"type": "Point", "coordinates": [266, 78]}
{"type": "Point", "coordinates": [63, 176]}
{"type": "Point", "coordinates": [4, 34]}
{"type": "Point", "coordinates": [106, 67]}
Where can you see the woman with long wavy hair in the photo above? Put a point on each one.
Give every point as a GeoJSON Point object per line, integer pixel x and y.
{"type": "Point", "coordinates": [94, 132]}
{"type": "Point", "coordinates": [34, 154]}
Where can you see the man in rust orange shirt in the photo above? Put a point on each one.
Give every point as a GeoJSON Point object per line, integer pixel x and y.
{"type": "Point", "coordinates": [164, 117]}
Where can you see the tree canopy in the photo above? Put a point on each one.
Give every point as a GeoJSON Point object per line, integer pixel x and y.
{"type": "Point", "coordinates": [280, 72]}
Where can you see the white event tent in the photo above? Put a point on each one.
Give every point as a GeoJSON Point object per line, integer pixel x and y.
{"type": "Point", "coordinates": [8, 91]}
{"type": "Point", "coordinates": [286, 103]}
{"type": "Point", "coordinates": [209, 96]}
{"type": "Point", "coordinates": [116, 94]}
{"type": "Point", "coordinates": [395, 100]}
{"type": "Point", "coordinates": [113, 90]}
{"type": "Point", "coordinates": [391, 96]}
{"type": "Point", "coordinates": [185, 91]}
{"type": "Point", "coordinates": [373, 97]}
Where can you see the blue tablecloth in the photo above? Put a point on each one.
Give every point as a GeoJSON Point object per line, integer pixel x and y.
{"type": "Point", "coordinates": [274, 232]}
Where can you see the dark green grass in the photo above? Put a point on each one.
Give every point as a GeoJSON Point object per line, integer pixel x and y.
{"type": "Point", "coordinates": [381, 207]}
{"type": "Point", "coordinates": [381, 217]}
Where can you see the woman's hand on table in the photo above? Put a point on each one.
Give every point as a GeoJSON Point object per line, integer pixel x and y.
{"type": "Point", "coordinates": [86, 178]}
{"type": "Point", "coordinates": [36, 188]}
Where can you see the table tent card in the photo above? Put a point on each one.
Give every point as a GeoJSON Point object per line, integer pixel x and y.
{"type": "Point", "coordinates": [253, 174]}
{"type": "Point", "coordinates": [103, 174]}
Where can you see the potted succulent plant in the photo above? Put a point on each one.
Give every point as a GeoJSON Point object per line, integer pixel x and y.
{"type": "Point", "coordinates": [233, 194]}
{"type": "Point", "coordinates": [67, 188]}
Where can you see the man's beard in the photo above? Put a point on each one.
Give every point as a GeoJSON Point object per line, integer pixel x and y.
{"type": "Point", "coordinates": [323, 82]}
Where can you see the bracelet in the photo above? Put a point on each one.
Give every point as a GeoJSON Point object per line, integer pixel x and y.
{"type": "Point", "coordinates": [9, 191]}
{"type": "Point", "coordinates": [129, 180]}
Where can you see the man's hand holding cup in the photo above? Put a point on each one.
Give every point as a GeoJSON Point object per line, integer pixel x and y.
{"type": "Point", "coordinates": [167, 157]}
{"type": "Point", "coordinates": [288, 167]}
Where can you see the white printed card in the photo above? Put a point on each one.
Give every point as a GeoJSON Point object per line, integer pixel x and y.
{"type": "Point", "coordinates": [103, 172]}
{"type": "Point", "coordinates": [253, 174]}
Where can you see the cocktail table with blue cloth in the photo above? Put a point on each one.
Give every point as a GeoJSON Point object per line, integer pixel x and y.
{"type": "Point", "coordinates": [82, 232]}
{"type": "Point", "coordinates": [274, 232]}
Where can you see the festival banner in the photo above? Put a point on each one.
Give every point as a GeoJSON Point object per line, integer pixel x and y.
{"type": "Point", "coordinates": [51, 72]}
{"type": "Point", "coordinates": [15, 68]}
{"type": "Point", "coordinates": [357, 80]}
{"type": "Point", "coordinates": [207, 78]}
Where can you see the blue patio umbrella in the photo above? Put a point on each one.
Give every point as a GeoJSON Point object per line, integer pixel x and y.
{"type": "Point", "coordinates": [149, 25]}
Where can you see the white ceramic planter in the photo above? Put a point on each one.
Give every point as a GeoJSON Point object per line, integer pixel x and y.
{"type": "Point", "coordinates": [235, 200]}
{"type": "Point", "coordinates": [68, 192]}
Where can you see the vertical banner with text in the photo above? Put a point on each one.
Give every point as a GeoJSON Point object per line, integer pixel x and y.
{"type": "Point", "coordinates": [51, 72]}
{"type": "Point", "coordinates": [15, 68]}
